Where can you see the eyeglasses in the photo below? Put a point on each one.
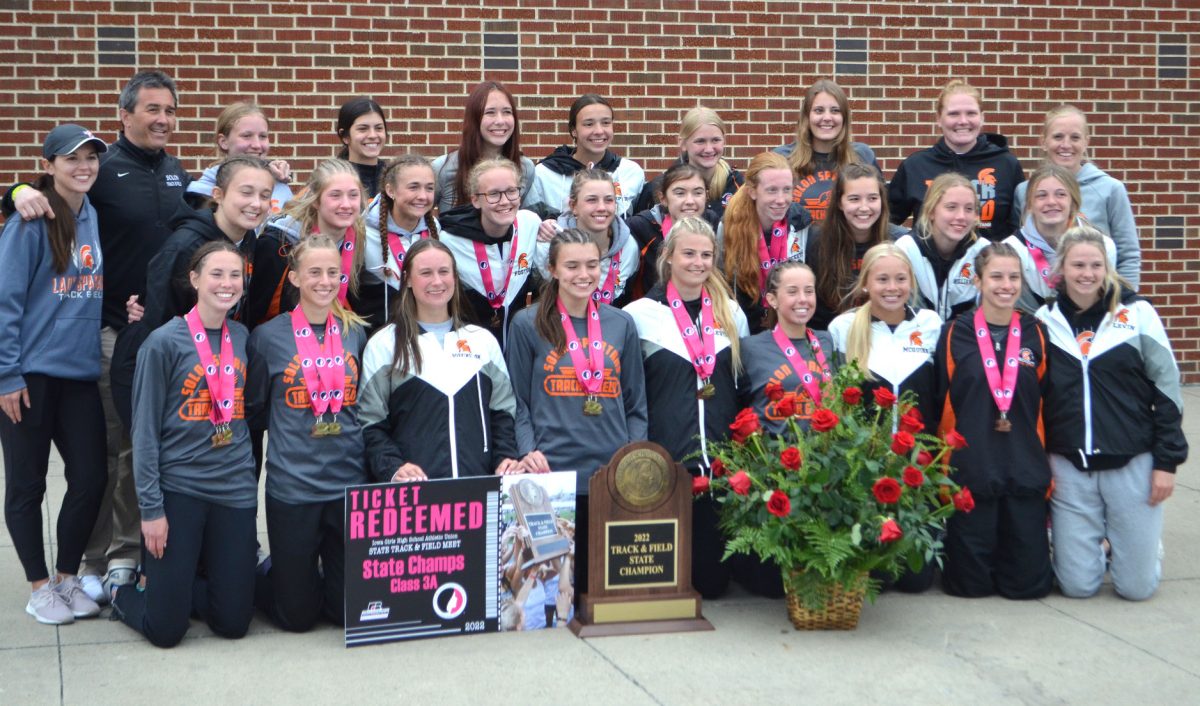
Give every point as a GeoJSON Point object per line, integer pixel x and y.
{"type": "Point", "coordinates": [493, 197]}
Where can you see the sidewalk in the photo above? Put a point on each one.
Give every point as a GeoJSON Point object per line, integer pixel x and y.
{"type": "Point", "coordinates": [927, 648]}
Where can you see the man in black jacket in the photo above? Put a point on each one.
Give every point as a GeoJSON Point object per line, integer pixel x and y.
{"type": "Point", "coordinates": [136, 194]}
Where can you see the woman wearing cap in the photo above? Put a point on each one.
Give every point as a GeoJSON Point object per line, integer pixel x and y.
{"type": "Point", "coordinates": [51, 286]}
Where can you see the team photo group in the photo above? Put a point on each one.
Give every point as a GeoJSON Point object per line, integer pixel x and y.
{"type": "Point", "coordinates": [390, 318]}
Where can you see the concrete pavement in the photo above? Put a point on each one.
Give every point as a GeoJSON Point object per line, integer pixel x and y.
{"type": "Point", "coordinates": [927, 648]}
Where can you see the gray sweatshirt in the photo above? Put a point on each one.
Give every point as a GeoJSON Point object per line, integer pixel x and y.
{"type": "Point", "coordinates": [550, 400]}
{"type": "Point", "coordinates": [302, 469]}
{"type": "Point", "coordinates": [172, 434]}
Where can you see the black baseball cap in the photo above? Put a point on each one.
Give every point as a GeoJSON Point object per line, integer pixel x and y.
{"type": "Point", "coordinates": [69, 137]}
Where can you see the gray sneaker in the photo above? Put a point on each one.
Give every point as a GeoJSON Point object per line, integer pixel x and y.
{"type": "Point", "coordinates": [47, 606]}
{"type": "Point", "coordinates": [120, 576]}
{"type": "Point", "coordinates": [81, 605]}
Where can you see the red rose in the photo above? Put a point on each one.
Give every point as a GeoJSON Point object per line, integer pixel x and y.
{"type": "Point", "coordinates": [911, 422]}
{"type": "Point", "coordinates": [884, 397]}
{"type": "Point", "coordinates": [886, 490]}
{"type": "Point", "coordinates": [955, 440]}
{"type": "Point", "coordinates": [740, 483]}
{"type": "Point", "coordinates": [924, 458]}
{"type": "Point", "coordinates": [889, 531]}
{"type": "Point", "coordinates": [773, 391]}
{"type": "Point", "coordinates": [823, 420]}
{"type": "Point", "coordinates": [852, 395]}
{"type": "Point", "coordinates": [786, 406]}
{"type": "Point", "coordinates": [913, 477]}
{"type": "Point", "coordinates": [902, 443]}
{"type": "Point", "coordinates": [778, 504]}
{"type": "Point", "coordinates": [963, 500]}
{"type": "Point", "coordinates": [744, 424]}
{"type": "Point", "coordinates": [699, 485]}
{"type": "Point", "coordinates": [791, 458]}
{"type": "Point", "coordinates": [717, 467]}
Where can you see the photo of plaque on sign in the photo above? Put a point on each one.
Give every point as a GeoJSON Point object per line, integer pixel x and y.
{"type": "Point", "coordinates": [639, 548]}
{"type": "Point", "coordinates": [535, 513]}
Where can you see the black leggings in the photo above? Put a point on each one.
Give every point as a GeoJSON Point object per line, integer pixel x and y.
{"type": "Point", "coordinates": [197, 530]}
{"type": "Point", "coordinates": [67, 412]}
{"type": "Point", "coordinates": [1000, 547]}
{"type": "Point", "coordinates": [296, 592]}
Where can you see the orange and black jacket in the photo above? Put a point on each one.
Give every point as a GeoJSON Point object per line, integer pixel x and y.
{"type": "Point", "coordinates": [994, 463]}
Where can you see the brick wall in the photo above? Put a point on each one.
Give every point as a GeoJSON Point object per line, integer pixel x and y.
{"type": "Point", "coordinates": [1132, 65]}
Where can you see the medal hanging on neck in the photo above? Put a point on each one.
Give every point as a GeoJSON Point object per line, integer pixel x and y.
{"type": "Point", "coordinates": [701, 345]}
{"type": "Point", "coordinates": [768, 257]}
{"type": "Point", "coordinates": [324, 371]}
{"type": "Point", "coordinates": [799, 366]}
{"type": "Point", "coordinates": [496, 297]}
{"type": "Point", "coordinates": [396, 246]}
{"type": "Point", "coordinates": [589, 370]}
{"type": "Point", "coordinates": [1002, 385]}
{"type": "Point", "coordinates": [605, 293]}
{"type": "Point", "coordinates": [219, 376]}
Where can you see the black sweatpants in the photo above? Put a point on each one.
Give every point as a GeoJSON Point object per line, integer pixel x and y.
{"type": "Point", "coordinates": [710, 575]}
{"type": "Point", "coordinates": [581, 546]}
{"type": "Point", "coordinates": [1000, 547]}
{"type": "Point", "coordinates": [68, 413]}
{"type": "Point", "coordinates": [298, 591]}
{"type": "Point", "coordinates": [197, 530]}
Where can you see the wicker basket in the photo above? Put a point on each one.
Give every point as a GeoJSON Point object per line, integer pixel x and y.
{"type": "Point", "coordinates": [841, 610]}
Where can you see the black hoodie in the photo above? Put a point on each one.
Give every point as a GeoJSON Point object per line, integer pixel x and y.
{"type": "Point", "coordinates": [169, 291]}
{"type": "Point", "coordinates": [461, 228]}
{"type": "Point", "coordinates": [648, 199]}
{"type": "Point", "coordinates": [989, 166]}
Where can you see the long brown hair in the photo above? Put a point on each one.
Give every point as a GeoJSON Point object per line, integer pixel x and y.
{"type": "Point", "coordinates": [470, 147]}
{"type": "Point", "coordinates": [407, 355]}
{"type": "Point", "coordinates": [391, 177]}
{"type": "Point", "coordinates": [547, 321]}
{"type": "Point", "coordinates": [843, 154]}
{"type": "Point", "coordinates": [742, 229]}
{"type": "Point", "coordinates": [836, 277]}
{"type": "Point", "coordinates": [60, 230]}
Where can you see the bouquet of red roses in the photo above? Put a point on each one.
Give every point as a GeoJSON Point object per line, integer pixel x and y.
{"type": "Point", "coordinates": [862, 490]}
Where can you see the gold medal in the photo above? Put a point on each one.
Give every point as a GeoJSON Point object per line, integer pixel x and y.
{"type": "Point", "coordinates": [495, 318]}
{"type": "Point", "coordinates": [319, 430]}
{"type": "Point", "coordinates": [333, 428]}
{"type": "Point", "coordinates": [222, 437]}
{"type": "Point", "coordinates": [591, 407]}
{"type": "Point", "coordinates": [707, 391]}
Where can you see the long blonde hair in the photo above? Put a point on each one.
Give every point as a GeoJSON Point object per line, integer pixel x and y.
{"type": "Point", "coordinates": [319, 241]}
{"type": "Point", "coordinates": [693, 120]}
{"type": "Point", "coordinates": [858, 339]}
{"type": "Point", "coordinates": [742, 228]}
{"type": "Point", "coordinates": [718, 290]}
{"type": "Point", "coordinates": [304, 208]}
{"type": "Point", "coordinates": [943, 183]}
{"type": "Point", "coordinates": [1087, 235]}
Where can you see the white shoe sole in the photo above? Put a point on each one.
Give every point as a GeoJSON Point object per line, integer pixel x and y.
{"type": "Point", "coordinates": [46, 621]}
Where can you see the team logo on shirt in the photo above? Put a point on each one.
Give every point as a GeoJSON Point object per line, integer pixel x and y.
{"type": "Point", "coordinates": [964, 274]}
{"type": "Point", "coordinates": [197, 402]}
{"type": "Point", "coordinates": [1121, 320]}
{"type": "Point", "coordinates": [462, 349]}
{"type": "Point", "coordinates": [522, 264]}
{"type": "Point", "coordinates": [561, 382]}
{"type": "Point", "coordinates": [813, 193]}
{"type": "Point", "coordinates": [296, 395]}
{"type": "Point", "coordinates": [916, 344]}
{"type": "Point", "coordinates": [985, 187]}
{"type": "Point", "coordinates": [173, 180]}
{"type": "Point", "coordinates": [1084, 339]}
{"type": "Point", "coordinates": [803, 403]}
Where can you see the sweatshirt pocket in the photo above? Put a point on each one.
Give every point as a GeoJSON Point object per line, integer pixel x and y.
{"type": "Point", "coordinates": [69, 349]}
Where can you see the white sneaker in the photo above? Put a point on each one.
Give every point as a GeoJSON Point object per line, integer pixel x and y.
{"type": "Point", "coordinates": [81, 605]}
{"type": "Point", "coordinates": [94, 588]}
{"type": "Point", "coordinates": [48, 607]}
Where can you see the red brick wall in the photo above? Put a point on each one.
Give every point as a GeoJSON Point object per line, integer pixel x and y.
{"type": "Point", "coordinates": [1132, 65]}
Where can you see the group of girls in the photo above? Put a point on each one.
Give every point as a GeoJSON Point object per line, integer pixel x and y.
{"type": "Point", "coordinates": [499, 343]}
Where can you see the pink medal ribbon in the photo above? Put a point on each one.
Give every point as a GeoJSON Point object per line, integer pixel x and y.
{"type": "Point", "coordinates": [396, 246]}
{"type": "Point", "coordinates": [348, 244]}
{"type": "Point", "coordinates": [324, 369]}
{"type": "Point", "coordinates": [666, 226]}
{"type": "Point", "coordinates": [701, 345]}
{"type": "Point", "coordinates": [605, 292]}
{"type": "Point", "coordinates": [1002, 387]}
{"type": "Point", "coordinates": [495, 298]}
{"type": "Point", "coordinates": [799, 366]}
{"type": "Point", "coordinates": [218, 374]}
{"type": "Point", "coordinates": [769, 257]}
{"type": "Point", "coordinates": [1042, 265]}
{"type": "Point", "coordinates": [589, 371]}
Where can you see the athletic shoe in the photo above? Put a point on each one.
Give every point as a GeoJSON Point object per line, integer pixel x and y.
{"type": "Point", "coordinates": [81, 605]}
{"type": "Point", "coordinates": [120, 576]}
{"type": "Point", "coordinates": [48, 606]}
{"type": "Point", "coordinates": [93, 586]}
